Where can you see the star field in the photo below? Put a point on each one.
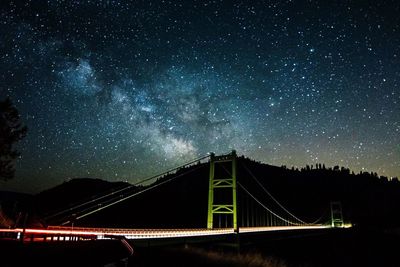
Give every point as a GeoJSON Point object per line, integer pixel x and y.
{"type": "Point", "coordinates": [120, 90]}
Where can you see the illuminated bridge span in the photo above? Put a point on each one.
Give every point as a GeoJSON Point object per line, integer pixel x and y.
{"type": "Point", "coordinates": [68, 233]}
{"type": "Point", "coordinates": [259, 211]}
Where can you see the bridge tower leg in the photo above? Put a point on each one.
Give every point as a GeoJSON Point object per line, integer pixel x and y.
{"type": "Point", "coordinates": [217, 183]}
{"type": "Point", "coordinates": [336, 214]}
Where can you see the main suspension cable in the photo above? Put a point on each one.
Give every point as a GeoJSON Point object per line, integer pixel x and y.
{"type": "Point", "coordinates": [272, 197]}
{"type": "Point", "coordinates": [125, 188]}
{"type": "Point", "coordinates": [112, 202]}
{"type": "Point", "coordinates": [265, 207]}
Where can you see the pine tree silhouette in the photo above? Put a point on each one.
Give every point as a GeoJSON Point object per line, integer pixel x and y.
{"type": "Point", "coordinates": [11, 131]}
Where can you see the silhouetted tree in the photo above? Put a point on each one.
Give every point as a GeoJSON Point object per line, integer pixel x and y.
{"type": "Point", "coordinates": [336, 168]}
{"type": "Point", "coordinates": [345, 170]}
{"type": "Point", "coordinates": [11, 131]}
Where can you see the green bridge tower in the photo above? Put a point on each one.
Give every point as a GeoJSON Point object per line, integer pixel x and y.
{"type": "Point", "coordinates": [222, 182]}
{"type": "Point", "coordinates": [336, 214]}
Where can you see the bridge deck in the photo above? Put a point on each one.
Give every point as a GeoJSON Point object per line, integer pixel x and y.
{"type": "Point", "coordinates": [104, 233]}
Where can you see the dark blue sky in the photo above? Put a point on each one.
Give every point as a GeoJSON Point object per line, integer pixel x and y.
{"type": "Point", "coordinates": [120, 90]}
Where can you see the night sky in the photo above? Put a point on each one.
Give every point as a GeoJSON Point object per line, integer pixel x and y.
{"type": "Point", "coordinates": [120, 90]}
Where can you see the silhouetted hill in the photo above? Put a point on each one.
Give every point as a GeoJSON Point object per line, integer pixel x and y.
{"type": "Point", "coordinates": [72, 192]}
{"type": "Point", "coordinates": [366, 198]}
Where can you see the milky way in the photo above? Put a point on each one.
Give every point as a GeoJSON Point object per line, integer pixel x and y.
{"type": "Point", "coordinates": [120, 90]}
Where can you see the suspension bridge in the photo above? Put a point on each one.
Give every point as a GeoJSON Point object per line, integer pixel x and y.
{"type": "Point", "coordinates": [232, 208]}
